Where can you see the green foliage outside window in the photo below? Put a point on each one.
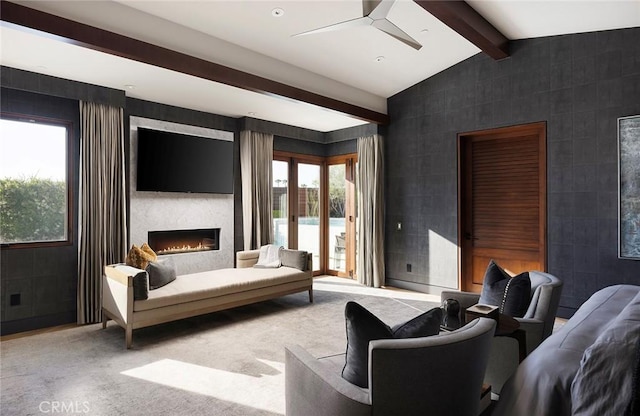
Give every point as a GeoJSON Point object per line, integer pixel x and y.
{"type": "Point", "coordinates": [32, 209]}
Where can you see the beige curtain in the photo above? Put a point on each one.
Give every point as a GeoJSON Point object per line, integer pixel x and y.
{"type": "Point", "coordinates": [256, 157]}
{"type": "Point", "coordinates": [370, 186]}
{"type": "Point", "coordinates": [102, 202]}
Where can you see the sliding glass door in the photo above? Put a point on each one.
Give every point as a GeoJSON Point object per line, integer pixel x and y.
{"type": "Point", "coordinates": [314, 209]}
{"type": "Point", "coordinates": [308, 208]}
{"type": "Point", "coordinates": [341, 212]}
{"type": "Point", "coordinates": [281, 203]}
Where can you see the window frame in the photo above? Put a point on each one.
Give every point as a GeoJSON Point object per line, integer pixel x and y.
{"type": "Point", "coordinates": [68, 125]}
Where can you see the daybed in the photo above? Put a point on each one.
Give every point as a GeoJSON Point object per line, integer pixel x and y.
{"type": "Point", "coordinates": [199, 293]}
{"type": "Point", "coordinates": [588, 367]}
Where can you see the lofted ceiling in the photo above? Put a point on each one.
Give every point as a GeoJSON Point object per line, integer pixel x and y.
{"type": "Point", "coordinates": [360, 66]}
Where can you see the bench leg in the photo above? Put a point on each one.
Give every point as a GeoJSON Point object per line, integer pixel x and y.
{"type": "Point", "coordinates": [128, 336]}
{"type": "Point", "coordinates": [104, 320]}
{"type": "Point", "coordinates": [310, 295]}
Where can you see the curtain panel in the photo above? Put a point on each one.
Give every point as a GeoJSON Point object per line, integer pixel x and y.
{"type": "Point", "coordinates": [102, 202]}
{"type": "Point", "coordinates": [256, 157]}
{"type": "Point", "coordinates": [370, 188]}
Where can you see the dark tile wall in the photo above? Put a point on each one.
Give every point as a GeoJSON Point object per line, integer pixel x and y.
{"type": "Point", "coordinates": [579, 84]}
{"type": "Point", "coordinates": [46, 277]}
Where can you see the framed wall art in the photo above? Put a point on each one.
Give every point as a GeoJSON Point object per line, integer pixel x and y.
{"type": "Point", "coordinates": [629, 187]}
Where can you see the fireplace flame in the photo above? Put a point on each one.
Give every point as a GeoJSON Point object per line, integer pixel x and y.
{"type": "Point", "coordinates": [184, 248]}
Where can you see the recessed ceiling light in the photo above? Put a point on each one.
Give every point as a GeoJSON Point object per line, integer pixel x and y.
{"type": "Point", "coordinates": [277, 12]}
{"type": "Point", "coordinates": [424, 31]}
{"type": "Point", "coordinates": [379, 59]}
{"type": "Point", "coordinates": [130, 87]}
{"type": "Point", "coordinates": [252, 113]}
{"type": "Point", "coordinates": [41, 68]}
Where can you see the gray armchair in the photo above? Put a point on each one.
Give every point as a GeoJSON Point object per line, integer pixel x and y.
{"type": "Point", "coordinates": [437, 375]}
{"type": "Point", "coordinates": [537, 323]}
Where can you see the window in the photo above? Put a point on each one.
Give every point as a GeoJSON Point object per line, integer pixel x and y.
{"type": "Point", "coordinates": [34, 181]}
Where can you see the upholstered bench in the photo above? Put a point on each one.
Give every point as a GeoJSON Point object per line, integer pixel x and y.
{"type": "Point", "coordinates": [198, 293]}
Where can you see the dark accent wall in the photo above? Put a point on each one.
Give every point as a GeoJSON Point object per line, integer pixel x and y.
{"type": "Point", "coordinates": [45, 277]}
{"type": "Point", "coordinates": [579, 85]}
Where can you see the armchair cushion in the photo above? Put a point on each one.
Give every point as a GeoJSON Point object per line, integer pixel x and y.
{"type": "Point", "coordinates": [363, 326]}
{"type": "Point", "coordinates": [511, 294]}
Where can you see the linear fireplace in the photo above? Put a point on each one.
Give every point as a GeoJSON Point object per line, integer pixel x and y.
{"type": "Point", "coordinates": [184, 241]}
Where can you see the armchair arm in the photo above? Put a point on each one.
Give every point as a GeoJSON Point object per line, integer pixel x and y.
{"type": "Point", "coordinates": [313, 388]}
{"type": "Point", "coordinates": [534, 329]}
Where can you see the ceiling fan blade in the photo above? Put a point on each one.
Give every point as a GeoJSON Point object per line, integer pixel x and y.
{"type": "Point", "coordinates": [360, 21]}
{"type": "Point", "coordinates": [381, 11]}
{"type": "Point", "coordinates": [393, 30]}
{"type": "Point", "coordinates": [369, 6]}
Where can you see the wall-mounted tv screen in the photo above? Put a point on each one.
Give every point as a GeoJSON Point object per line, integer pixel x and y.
{"type": "Point", "coordinates": [174, 162]}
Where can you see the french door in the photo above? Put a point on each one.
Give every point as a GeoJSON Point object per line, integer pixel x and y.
{"type": "Point", "coordinates": [341, 210]}
{"type": "Point", "coordinates": [314, 209]}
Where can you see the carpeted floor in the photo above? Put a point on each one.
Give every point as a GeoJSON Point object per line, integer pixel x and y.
{"type": "Point", "coordinates": [225, 363]}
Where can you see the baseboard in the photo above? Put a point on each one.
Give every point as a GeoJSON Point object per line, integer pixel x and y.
{"type": "Point", "coordinates": [39, 322]}
{"type": "Point", "coordinates": [417, 287]}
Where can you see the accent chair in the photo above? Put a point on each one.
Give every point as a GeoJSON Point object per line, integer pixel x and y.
{"type": "Point", "coordinates": [437, 375]}
{"type": "Point", "coordinates": [537, 323]}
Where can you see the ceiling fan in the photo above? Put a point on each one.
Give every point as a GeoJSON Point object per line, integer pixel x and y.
{"type": "Point", "coordinates": [374, 13]}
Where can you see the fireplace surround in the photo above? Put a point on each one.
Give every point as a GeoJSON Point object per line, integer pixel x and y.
{"type": "Point", "coordinates": [184, 241]}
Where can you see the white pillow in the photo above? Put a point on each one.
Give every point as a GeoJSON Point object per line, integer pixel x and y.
{"type": "Point", "coordinates": [269, 257]}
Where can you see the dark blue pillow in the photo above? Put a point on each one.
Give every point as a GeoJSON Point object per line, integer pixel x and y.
{"type": "Point", "coordinates": [363, 326]}
{"type": "Point", "coordinates": [511, 294]}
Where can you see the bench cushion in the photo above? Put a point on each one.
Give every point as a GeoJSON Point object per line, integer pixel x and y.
{"type": "Point", "coordinates": [213, 283]}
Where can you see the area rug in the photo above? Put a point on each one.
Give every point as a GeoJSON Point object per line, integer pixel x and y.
{"type": "Point", "coordinates": [224, 363]}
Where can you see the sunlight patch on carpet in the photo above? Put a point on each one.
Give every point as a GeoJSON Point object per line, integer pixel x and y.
{"type": "Point", "coordinates": [265, 392]}
{"type": "Point", "coordinates": [342, 285]}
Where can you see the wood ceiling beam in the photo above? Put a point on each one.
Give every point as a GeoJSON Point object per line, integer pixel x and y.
{"type": "Point", "coordinates": [462, 18]}
{"type": "Point", "coordinates": [72, 32]}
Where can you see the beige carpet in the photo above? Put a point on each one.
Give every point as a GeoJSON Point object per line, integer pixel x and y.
{"type": "Point", "coordinates": [225, 363]}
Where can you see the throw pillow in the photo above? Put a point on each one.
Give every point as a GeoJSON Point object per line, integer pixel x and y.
{"type": "Point", "coordinates": [147, 249]}
{"type": "Point", "coordinates": [423, 325]}
{"type": "Point", "coordinates": [363, 326]}
{"type": "Point", "coordinates": [269, 256]}
{"type": "Point", "coordinates": [138, 258]}
{"type": "Point", "coordinates": [161, 273]}
{"type": "Point", "coordinates": [294, 258]}
{"type": "Point", "coordinates": [140, 281]}
{"type": "Point", "coordinates": [511, 294]}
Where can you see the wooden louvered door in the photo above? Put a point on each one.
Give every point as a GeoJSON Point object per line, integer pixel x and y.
{"type": "Point", "coordinates": [502, 201]}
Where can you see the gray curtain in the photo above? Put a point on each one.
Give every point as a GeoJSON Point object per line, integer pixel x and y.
{"type": "Point", "coordinates": [370, 188]}
{"type": "Point", "coordinates": [256, 157]}
{"type": "Point", "coordinates": [102, 202]}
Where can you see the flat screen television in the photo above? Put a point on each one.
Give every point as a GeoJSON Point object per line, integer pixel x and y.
{"type": "Point", "coordinates": [174, 162]}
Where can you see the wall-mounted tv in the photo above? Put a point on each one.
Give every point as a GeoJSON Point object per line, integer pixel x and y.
{"type": "Point", "coordinates": [174, 162]}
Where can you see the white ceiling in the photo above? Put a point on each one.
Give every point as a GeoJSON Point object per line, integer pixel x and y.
{"type": "Point", "coordinates": [245, 35]}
